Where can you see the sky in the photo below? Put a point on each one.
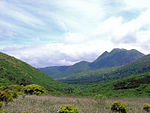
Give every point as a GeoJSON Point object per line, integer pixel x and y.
{"type": "Point", "coordinates": [63, 32]}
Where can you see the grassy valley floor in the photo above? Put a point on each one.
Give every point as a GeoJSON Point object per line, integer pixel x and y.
{"type": "Point", "coordinates": [51, 104]}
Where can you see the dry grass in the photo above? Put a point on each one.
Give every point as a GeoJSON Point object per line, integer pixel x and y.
{"type": "Point", "coordinates": [50, 104]}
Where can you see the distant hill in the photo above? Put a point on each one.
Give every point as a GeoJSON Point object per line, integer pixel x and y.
{"type": "Point", "coordinates": [98, 76]}
{"type": "Point", "coordinates": [14, 71]}
{"type": "Point", "coordinates": [117, 57]}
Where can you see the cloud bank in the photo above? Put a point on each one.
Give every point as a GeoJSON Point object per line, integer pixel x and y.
{"type": "Point", "coordinates": [63, 32]}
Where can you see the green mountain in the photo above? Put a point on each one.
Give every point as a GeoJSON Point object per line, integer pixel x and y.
{"type": "Point", "coordinates": [14, 71]}
{"type": "Point", "coordinates": [57, 72]}
{"type": "Point", "coordinates": [117, 57]}
{"type": "Point", "coordinates": [98, 76]}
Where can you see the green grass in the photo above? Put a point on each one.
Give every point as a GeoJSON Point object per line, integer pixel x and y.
{"type": "Point", "coordinates": [51, 104]}
{"type": "Point", "coordinates": [14, 71]}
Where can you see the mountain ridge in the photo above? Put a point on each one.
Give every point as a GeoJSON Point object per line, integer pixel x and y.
{"type": "Point", "coordinates": [117, 57]}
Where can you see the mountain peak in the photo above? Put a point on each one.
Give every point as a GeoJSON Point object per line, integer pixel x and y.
{"type": "Point", "coordinates": [117, 57]}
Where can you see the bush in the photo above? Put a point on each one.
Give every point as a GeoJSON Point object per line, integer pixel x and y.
{"type": "Point", "coordinates": [1, 105]}
{"type": "Point", "coordinates": [100, 99]}
{"type": "Point", "coordinates": [34, 89]}
{"type": "Point", "coordinates": [6, 96]}
{"type": "Point", "coordinates": [67, 109]}
{"type": "Point", "coordinates": [16, 88]}
{"type": "Point", "coordinates": [119, 107]}
{"type": "Point", "coordinates": [146, 107]}
{"type": "Point", "coordinates": [24, 112]}
{"type": "Point", "coordinates": [14, 94]}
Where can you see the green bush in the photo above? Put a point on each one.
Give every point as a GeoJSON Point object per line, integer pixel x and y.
{"type": "Point", "coordinates": [1, 105]}
{"type": "Point", "coordinates": [34, 89]}
{"type": "Point", "coordinates": [6, 96]}
{"type": "Point", "coordinates": [24, 112]}
{"type": "Point", "coordinates": [100, 99]}
{"type": "Point", "coordinates": [67, 109]}
{"type": "Point", "coordinates": [117, 106]}
{"type": "Point", "coordinates": [17, 88]}
{"type": "Point", "coordinates": [146, 107]}
{"type": "Point", "coordinates": [15, 94]}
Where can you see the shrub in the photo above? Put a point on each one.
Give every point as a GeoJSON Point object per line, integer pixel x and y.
{"type": "Point", "coordinates": [34, 89]}
{"type": "Point", "coordinates": [119, 107]}
{"type": "Point", "coordinates": [6, 96]}
{"type": "Point", "coordinates": [16, 88]}
{"type": "Point", "coordinates": [14, 94]}
{"type": "Point", "coordinates": [67, 109]}
{"type": "Point", "coordinates": [100, 99]}
{"type": "Point", "coordinates": [146, 107]}
{"type": "Point", "coordinates": [1, 105]}
{"type": "Point", "coordinates": [24, 112]}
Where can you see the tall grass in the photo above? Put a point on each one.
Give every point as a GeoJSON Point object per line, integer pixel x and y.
{"type": "Point", "coordinates": [51, 104]}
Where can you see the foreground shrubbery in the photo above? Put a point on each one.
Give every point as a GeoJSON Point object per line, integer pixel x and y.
{"type": "Point", "coordinates": [34, 89]}
{"type": "Point", "coordinates": [146, 107]}
{"type": "Point", "coordinates": [1, 105]}
{"type": "Point", "coordinates": [67, 109]}
{"type": "Point", "coordinates": [100, 98]}
{"type": "Point", "coordinates": [6, 96]}
{"type": "Point", "coordinates": [24, 112]}
{"type": "Point", "coordinates": [117, 106]}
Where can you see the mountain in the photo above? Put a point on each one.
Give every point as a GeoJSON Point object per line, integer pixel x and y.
{"type": "Point", "coordinates": [57, 72]}
{"type": "Point", "coordinates": [117, 57]}
{"type": "Point", "coordinates": [98, 76]}
{"type": "Point", "coordinates": [14, 71]}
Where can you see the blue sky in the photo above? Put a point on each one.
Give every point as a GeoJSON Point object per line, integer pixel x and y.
{"type": "Point", "coordinates": [63, 32]}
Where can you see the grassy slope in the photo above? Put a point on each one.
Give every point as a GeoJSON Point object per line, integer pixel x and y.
{"type": "Point", "coordinates": [139, 66]}
{"type": "Point", "coordinates": [131, 86]}
{"type": "Point", "coordinates": [14, 71]}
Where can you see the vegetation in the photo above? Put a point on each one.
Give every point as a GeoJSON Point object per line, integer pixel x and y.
{"type": "Point", "coordinates": [16, 72]}
{"type": "Point", "coordinates": [117, 57]}
{"type": "Point", "coordinates": [67, 109]}
{"type": "Point", "coordinates": [17, 78]}
{"type": "Point", "coordinates": [117, 106]}
{"type": "Point", "coordinates": [100, 99]}
{"type": "Point", "coordinates": [146, 107]}
{"type": "Point", "coordinates": [1, 109]}
{"type": "Point", "coordinates": [6, 96]}
{"type": "Point", "coordinates": [34, 89]}
{"type": "Point", "coordinates": [51, 104]}
{"type": "Point", "coordinates": [137, 67]}
{"type": "Point", "coordinates": [24, 112]}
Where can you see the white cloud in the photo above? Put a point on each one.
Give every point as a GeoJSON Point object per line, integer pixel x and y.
{"type": "Point", "coordinates": [137, 4]}
{"type": "Point", "coordinates": [90, 27]}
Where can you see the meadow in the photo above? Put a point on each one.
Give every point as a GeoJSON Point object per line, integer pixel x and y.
{"type": "Point", "coordinates": [51, 104]}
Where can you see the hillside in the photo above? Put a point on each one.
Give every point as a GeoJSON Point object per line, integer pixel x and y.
{"type": "Point", "coordinates": [139, 66]}
{"type": "Point", "coordinates": [14, 71]}
{"type": "Point", "coordinates": [117, 57]}
{"type": "Point", "coordinates": [136, 85]}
